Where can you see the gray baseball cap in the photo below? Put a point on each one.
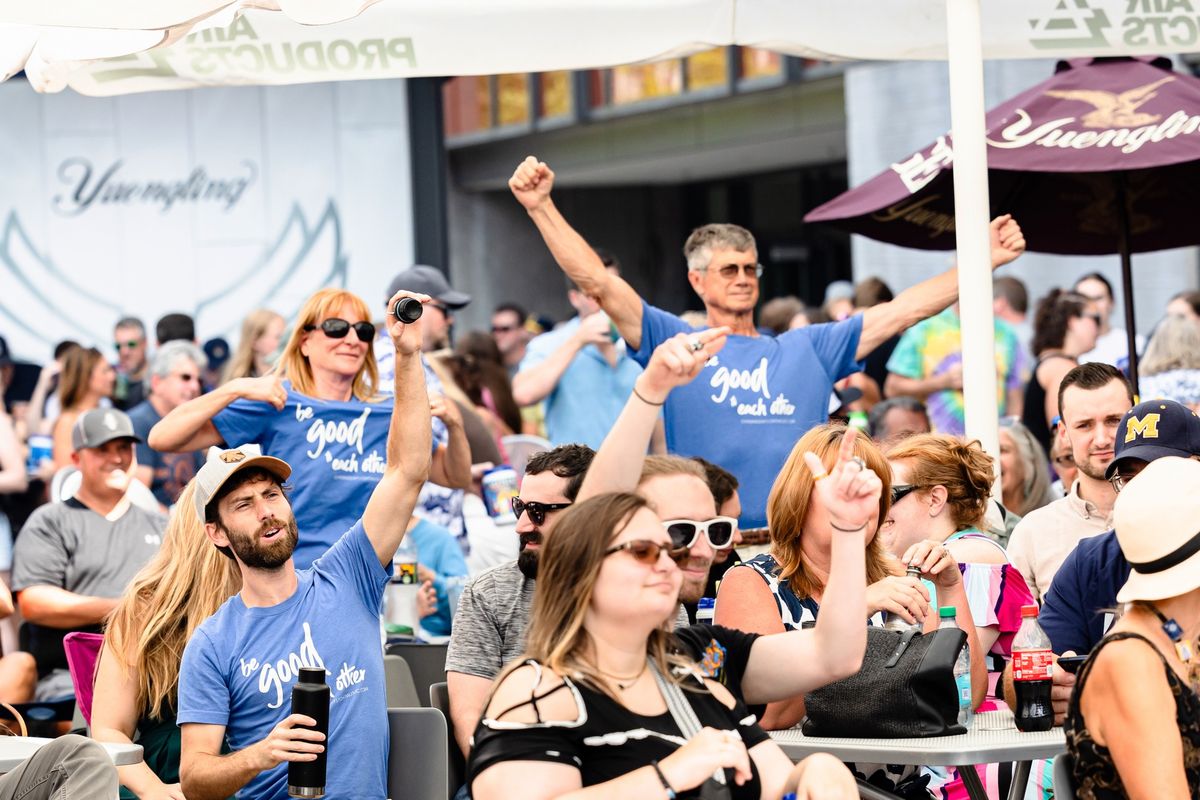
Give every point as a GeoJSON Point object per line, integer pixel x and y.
{"type": "Point", "coordinates": [99, 426]}
{"type": "Point", "coordinates": [224, 464]}
{"type": "Point", "coordinates": [430, 281]}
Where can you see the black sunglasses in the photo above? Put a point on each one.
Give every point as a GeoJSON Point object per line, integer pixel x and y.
{"type": "Point", "coordinates": [646, 552]}
{"type": "Point", "coordinates": [336, 328]}
{"type": "Point", "coordinates": [901, 491]}
{"type": "Point", "coordinates": [537, 511]}
{"type": "Point", "coordinates": [718, 530]}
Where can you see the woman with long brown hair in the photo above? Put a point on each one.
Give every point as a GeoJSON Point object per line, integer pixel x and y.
{"type": "Point", "coordinates": [262, 331]}
{"type": "Point", "coordinates": [319, 411]}
{"type": "Point", "coordinates": [137, 678]}
{"type": "Point", "coordinates": [597, 706]}
{"type": "Point", "coordinates": [86, 380]}
{"type": "Point", "coordinates": [1065, 326]}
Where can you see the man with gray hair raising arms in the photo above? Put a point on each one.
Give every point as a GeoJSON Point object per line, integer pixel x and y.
{"type": "Point", "coordinates": [756, 397]}
{"type": "Point", "coordinates": [174, 379]}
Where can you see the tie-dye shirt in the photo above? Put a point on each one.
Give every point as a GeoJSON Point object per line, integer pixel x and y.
{"type": "Point", "coordinates": [934, 346]}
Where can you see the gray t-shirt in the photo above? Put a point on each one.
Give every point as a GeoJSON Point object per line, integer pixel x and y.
{"type": "Point", "coordinates": [489, 625]}
{"type": "Point", "coordinates": [69, 546]}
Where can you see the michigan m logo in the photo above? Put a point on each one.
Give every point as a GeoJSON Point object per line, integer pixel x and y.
{"type": "Point", "coordinates": [1146, 427]}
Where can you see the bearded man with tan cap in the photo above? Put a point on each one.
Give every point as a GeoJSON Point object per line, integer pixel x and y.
{"type": "Point", "coordinates": [239, 667]}
{"type": "Point", "coordinates": [1133, 726]}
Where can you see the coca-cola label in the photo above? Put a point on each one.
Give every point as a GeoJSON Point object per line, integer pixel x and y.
{"type": "Point", "coordinates": [1032, 665]}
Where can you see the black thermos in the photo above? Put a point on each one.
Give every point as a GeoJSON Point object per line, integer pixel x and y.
{"type": "Point", "coordinates": [408, 310]}
{"type": "Point", "coordinates": [310, 697]}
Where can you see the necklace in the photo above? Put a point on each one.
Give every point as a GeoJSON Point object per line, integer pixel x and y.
{"type": "Point", "coordinates": [1184, 649]}
{"type": "Point", "coordinates": [624, 684]}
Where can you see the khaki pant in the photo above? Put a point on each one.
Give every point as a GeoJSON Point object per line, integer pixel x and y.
{"type": "Point", "coordinates": [69, 768]}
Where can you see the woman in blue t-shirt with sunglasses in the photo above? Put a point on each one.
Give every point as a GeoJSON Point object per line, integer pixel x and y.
{"type": "Point", "coordinates": [319, 411]}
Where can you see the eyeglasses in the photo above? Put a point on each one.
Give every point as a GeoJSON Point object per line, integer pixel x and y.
{"type": "Point", "coordinates": [1119, 481]}
{"type": "Point", "coordinates": [646, 552]}
{"type": "Point", "coordinates": [119, 346]}
{"type": "Point", "coordinates": [903, 490]}
{"type": "Point", "coordinates": [537, 511]}
{"type": "Point", "coordinates": [336, 328]}
{"type": "Point", "coordinates": [731, 271]}
{"type": "Point", "coordinates": [718, 530]}
{"type": "Point", "coordinates": [445, 310]}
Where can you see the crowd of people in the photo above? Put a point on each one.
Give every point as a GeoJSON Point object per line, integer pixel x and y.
{"type": "Point", "coordinates": [223, 516]}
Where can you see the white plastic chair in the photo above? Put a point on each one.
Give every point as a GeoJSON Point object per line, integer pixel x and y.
{"type": "Point", "coordinates": [520, 447]}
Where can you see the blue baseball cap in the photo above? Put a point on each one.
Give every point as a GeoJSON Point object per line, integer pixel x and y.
{"type": "Point", "coordinates": [1154, 429]}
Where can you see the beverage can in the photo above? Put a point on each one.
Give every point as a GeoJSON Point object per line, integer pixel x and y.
{"type": "Point", "coordinates": [41, 450]}
{"type": "Point", "coordinates": [499, 489]}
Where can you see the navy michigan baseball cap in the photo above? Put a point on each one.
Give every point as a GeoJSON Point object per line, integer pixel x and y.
{"type": "Point", "coordinates": [1154, 429]}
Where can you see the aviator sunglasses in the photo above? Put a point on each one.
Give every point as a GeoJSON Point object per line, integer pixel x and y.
{"type": "Point", "coordinates": [646, 552]}
{"type": "Point", "coordinates": [336, 328]}
{"type": "Point", "coordinates": [537, 511]}
{"type": "Point", "coordinates": [685, 532]}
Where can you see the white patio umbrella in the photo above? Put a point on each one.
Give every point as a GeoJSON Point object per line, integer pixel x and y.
{"type": "Point", "coordinates": [143, 45]}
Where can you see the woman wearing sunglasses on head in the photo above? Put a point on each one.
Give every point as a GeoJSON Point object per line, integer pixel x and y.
{"type": "Point", "coordinates": [601, 705]}
{"type": "Point", "coordinates": [319, 411]}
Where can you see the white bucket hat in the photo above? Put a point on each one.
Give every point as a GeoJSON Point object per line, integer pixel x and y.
{"type": "Point", "coordinates": [1157, 517]}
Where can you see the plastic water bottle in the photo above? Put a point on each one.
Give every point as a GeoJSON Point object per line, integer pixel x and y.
{"type": "Point", "coordinates": [310, 697]}
{"type": "Point", "coordinates": [705, 610]}
{"type": "Point", "coordinates": [895, 622]}
{"type": "Point", "coordinates": [962, 669]}
{"type": "Point", "coordinates": [402, 590]}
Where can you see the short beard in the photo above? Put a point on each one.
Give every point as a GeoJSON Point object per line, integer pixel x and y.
{"type": "Point", "coordinates": [527, 560]}
{"type": "Point", "coordinates": [272, 556]}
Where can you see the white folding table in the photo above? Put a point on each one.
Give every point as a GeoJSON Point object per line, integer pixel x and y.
{"type": "Point", "coordinates": [991, 738]}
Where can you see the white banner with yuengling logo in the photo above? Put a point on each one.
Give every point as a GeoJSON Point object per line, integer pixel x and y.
{"type": "Point", "coordinates": [213, 202]}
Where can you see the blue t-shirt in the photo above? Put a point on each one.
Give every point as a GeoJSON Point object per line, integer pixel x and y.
{"type": "Point", "coordinates": [338, 453]}
{"type": "Point", "coordinates": [589, 395]}
{"type": "Point", "coordinates": [754, 399]}
{"type": "Point", "coordinates": [1076, 612]}
{"type": "Point", "coordinates": [172, 471]}
{"type": "Point", "coordinates": [438, 550]}
{"type": "Point", "coordinates": [239, 668]}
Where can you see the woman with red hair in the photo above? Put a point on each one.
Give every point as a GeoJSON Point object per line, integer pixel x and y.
{"type": "Point", "coordinates": [319, 411]}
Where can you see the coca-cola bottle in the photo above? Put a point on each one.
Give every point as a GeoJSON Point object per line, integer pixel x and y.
{"type": "Point", "coordinates": [1032, 668]}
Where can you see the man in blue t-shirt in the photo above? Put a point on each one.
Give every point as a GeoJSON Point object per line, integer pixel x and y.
{"type": "Point", "coordinates": [580, 370]}
{"type": "Point", "coordinates": [238, 669]}
{"type": "Point", "coordinates": [1078, 609]}
{"type": "Point", "coordinates": [174, 380]}
{"type": "Point", "coordinates": [759, 394]}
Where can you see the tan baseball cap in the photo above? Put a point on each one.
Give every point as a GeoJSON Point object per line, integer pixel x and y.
{"type": "Point", "coordinates": [224, 464]}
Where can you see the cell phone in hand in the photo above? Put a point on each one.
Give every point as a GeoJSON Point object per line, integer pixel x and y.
{"type": "Point", "coordinates": [1071, 663]}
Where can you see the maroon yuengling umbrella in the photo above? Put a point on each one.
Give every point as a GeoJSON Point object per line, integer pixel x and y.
{"type": "Point", "coordinates": [1104, 157]}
